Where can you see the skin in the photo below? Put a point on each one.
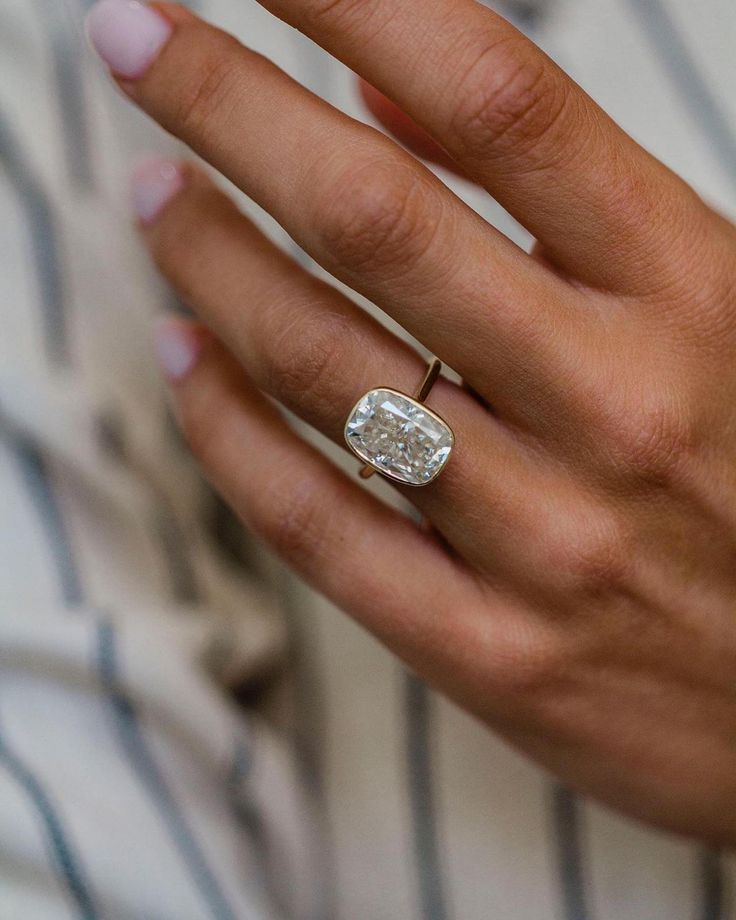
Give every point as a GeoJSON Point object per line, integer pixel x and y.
{"type": "Point", "coordinates": [576, 588]}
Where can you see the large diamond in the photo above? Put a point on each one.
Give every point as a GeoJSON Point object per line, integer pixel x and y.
{"type": "Point", "coordinates": [399, 436]}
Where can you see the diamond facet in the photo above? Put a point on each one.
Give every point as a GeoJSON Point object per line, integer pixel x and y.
{"type": "Point", "coordinates": [399, 436]}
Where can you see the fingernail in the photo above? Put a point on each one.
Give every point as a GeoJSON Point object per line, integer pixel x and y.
{"type": "Point", "coordinates": [153, 184]}
{"type": "Point", "coordinates": [127, 35]}
{"type": "Point", "coordinates": [178, 347]}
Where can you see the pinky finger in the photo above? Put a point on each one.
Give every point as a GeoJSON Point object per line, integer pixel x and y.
{"type": "Point", "coordinates": [367, 558]}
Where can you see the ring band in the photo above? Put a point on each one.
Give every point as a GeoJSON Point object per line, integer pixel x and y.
{"type": "Point", "coordinates": [398, 436]}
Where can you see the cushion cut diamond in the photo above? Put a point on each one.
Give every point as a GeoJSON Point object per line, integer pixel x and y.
{"type": "Point", "coordinates": [399, 436]}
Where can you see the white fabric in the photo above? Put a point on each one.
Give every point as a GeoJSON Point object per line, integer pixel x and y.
{"type": "Point", "coordinates": [132, 785]}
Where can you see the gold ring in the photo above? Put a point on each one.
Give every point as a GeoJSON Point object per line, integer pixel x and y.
{"type": "Point", "coordinates": [398, 436]}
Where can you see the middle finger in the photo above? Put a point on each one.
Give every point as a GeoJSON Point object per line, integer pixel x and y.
{"type": "Point", "coordinates": [373, 216]}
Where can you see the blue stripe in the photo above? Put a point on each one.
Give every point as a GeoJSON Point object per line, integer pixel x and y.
{"type": "Point", "coordinates": [421, 799]}
{"type": "Point", "coordinates": [68, 57]}
{"type": "Point", "coordinates": [568, 834]}
{"type": "Point", "coordinates": [308, 745]}
{"type": "Point", "coordinates": [704, 106]}
{"type": "Point", "coordinates": [249, 817]}
{"type": "Point", "coordinates": [524, 14]}
{"type": "Point", "coordinates": [184, 587]}
{"type": "Point", "coordinates": [111, 437]}
{"type": "Point", "coordinates": [34, 470]}
{"type": "Point", "coordinates": [39, 217]}
{"type": "Point", "coordinates": [63, 856]}
{"type": "Point", "coordinates": [713, 904]}
{"type": "Point", "coordinates": [144, 764]}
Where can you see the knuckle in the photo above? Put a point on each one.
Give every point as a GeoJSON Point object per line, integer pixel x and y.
{"type": "Point", "coordinates": [585, 549]}
{"type": "Point", "coordinates": [347, 15]}
{"type": "Point", "coordinates": [508, 100]}
{"type": "Point", "coordinates": [529, 665]}
{"type": "Point", "coordinates": [211, 92]}
{"type": "Point", "coordinates": [596, 557]}
{"type": "Point", "coordinates": [653, 444]}
{"type": "Point", "coordinates": [518, 660]}
{"type": "Point", "coordinates": [307, 359]}
{"type": "Point", "coordinates": [377, 217]}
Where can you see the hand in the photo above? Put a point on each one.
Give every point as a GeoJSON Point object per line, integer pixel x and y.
{"type": "Point", "coordinates": [578, 589]}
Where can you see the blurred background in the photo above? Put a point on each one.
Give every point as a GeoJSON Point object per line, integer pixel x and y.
{"type": "Point", "coordinates": [186, 730]}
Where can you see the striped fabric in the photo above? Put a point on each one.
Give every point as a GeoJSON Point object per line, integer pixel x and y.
{"type": "Point", "coordinates": [186, 732]}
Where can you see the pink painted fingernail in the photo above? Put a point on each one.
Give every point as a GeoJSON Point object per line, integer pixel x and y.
{"type": "Point", "coordinates": [178, 347]}
{"type": "Point", "coordinates": [127, 35]}
{"type": "Point", "coordinates": [153, 184]}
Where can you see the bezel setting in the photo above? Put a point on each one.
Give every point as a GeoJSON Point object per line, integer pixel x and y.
{"type": "Point", "coordinates": [399, 436]}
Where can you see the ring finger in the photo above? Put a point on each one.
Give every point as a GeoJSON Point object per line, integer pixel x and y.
{"type": "Point", "coordinates": [315, 351]}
